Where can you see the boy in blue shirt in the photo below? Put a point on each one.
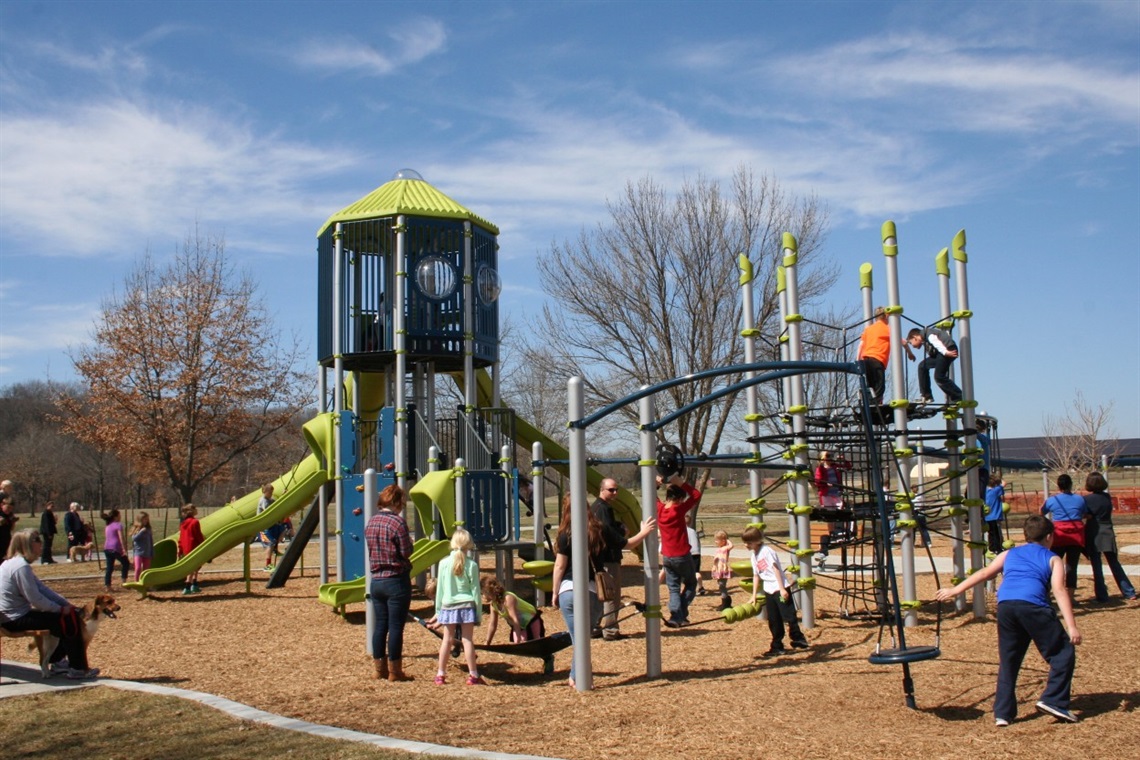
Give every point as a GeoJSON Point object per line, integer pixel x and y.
{"type": "Point", "coordinates": [995, 512]}
{"type": "Point", "coordinates": [1024, 615]}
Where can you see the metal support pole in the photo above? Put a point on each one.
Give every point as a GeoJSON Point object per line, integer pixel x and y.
{"type": "Point", "coordinates": [975, 490]}
{"type": "Point", "coordinates": [650, 548]}
{"type": "Point", "coordinates": [903, 453]}
{"type": "Point", "coordinates": [580, 555]}
{"type": "Point", "coordinates": [338, 385]}
{"type": "Point", "coordinates": [400, 341]}
{"type": "Point", "coordinates": [370, 495]}
{"type": "Point", "coordinates": [799, 448]}
{"type": "Point", "coordinates": [749, 331]}
{"type": "Point", "coordinates": [539, 498]}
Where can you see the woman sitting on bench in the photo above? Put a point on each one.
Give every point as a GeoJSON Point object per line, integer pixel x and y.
{"type": "Point", "coordinates": [26, 604]}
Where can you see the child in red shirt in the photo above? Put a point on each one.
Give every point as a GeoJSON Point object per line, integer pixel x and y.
{"type": "Point", "coordinates": [190, 538]}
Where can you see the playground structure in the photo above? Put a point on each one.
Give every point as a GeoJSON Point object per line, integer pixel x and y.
{"type": "Point", "coordinates": [408, 299]}
{"type": "Point", "coordinates": [875, 439]}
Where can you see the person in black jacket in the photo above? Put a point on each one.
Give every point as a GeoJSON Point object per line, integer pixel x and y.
{"type": "Point", "coordinates": [48, 529]}
{"type": "Point", "coordinates": [941, 351]}
{"type": "Point", "coordinates": [611, 556]}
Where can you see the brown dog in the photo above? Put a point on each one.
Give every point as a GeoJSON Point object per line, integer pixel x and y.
{"type": "Point", "coordinates": [93, 614]}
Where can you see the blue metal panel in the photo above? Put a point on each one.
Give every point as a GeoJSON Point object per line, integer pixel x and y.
{"type": "Point", "coordinates": [487, 504]}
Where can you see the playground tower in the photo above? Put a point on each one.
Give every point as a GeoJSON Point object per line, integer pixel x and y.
{"type": "Point", "coordinates": [408, 290]}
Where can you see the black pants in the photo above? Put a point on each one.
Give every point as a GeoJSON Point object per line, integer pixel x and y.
{"type": "Point", "coordinates": [46, 557]}
{"type": "Point", "coordinates": [781, 613]}
{"type": "Point", "coordinates": [994, 534]}
{"type": "Point", "coordinates": [1018, 624]}
{"type": "Point", "coordinates": [876, 378]}
{"type": "Point", "coordinates": [70, 645]}
{"type": "Point", "coordinates": [941, 366]}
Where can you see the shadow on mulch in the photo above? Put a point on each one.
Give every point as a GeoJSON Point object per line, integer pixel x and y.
{"type": "Point", "coordinates": [1105, 702]}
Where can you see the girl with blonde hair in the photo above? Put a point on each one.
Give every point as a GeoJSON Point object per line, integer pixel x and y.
{"type": "Point", "coordinates": [458, 603]}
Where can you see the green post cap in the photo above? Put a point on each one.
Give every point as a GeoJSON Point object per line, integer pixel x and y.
{"type": "Point", "coordinates": [959, 245]}
{"type": "Point", "coordinates": [890, 239]}
{"type": "Point", "coordinates": [745, 265]}
{"type": "Point", "coordinates": [791, 249]}
{"type": "Point", "coordinates": [781, 280]}
{"type": "Point", "coordinates": [942, 262]}
{"type": "Point", "coordinates": [865, 275]}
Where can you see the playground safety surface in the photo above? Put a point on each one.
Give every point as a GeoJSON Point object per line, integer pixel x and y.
{"type": "Point", "coordinates": [282, 652]}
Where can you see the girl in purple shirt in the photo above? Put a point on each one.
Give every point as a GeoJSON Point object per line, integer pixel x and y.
{"type": "Point", "coordinates": [114, 546]}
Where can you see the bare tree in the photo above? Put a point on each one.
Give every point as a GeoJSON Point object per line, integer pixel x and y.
{"type": "Point", "coordinates": [186, 372]}
{"type": "Point", "coordinates": [1076, 441]}
{"type": "Point", "coordinates": [654, 293]}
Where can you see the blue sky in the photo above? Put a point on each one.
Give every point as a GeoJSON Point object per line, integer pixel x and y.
{"type": "Point", "coordinates": [124, 124]}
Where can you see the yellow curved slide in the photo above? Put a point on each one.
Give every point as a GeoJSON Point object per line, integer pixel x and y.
{"type": "Point", "coordinates": [233, 524]}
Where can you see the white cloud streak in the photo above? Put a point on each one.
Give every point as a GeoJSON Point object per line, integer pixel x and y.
{"type": "Point", "coordinates": [408, 43]}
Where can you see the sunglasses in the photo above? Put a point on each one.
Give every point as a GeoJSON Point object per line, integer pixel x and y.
{"type": "Point", "coordinates": [611, 490]}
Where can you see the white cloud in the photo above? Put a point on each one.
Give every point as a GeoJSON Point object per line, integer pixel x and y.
{"type": "Point", "coordinates": [99, 173]}
{"type": "Point", "coordinates": [408, 43]}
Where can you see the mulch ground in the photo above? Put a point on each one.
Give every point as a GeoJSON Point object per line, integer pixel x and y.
{"type": "Point", "coordinates": [283, 651]}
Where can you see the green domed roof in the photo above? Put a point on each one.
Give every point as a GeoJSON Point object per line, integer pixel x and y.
{"type": "Point", "coordinates": [407, 194]}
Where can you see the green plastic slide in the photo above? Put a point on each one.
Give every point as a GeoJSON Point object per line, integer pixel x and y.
{"type": "Point", "coordinates": [235, 523]}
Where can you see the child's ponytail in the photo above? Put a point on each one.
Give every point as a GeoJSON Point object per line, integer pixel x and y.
{"type": "Point", "coordinates": [461, 543]}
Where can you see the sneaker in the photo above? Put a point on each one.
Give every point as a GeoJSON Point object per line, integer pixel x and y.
{"type": "Point", "coordinates": [802, 644]}
{"type": "Point", "coordinates": [60, 668]}
{"type": "Point", "coordinates": [70, 560]}
{"type": "Point", "coordinates": [671, 623]}
{"type": "Point", "coordinates": [440, 680]}
{"type": "Point", "coordinates": [186, 591]}
{"type": "Point", "coordinates": [683, 622]}
{"type": "Point", "coordinates": [1001, 722]}
{"type": "Point", "coordinates": [926, 400]}
{"type": "Point", "coordinates": [83, 675]}
{"type": "Point", "coordinates": [1059, 713]}
{"type": "Point", "coordinates": [725, 604]}
{"type": "Point", "coordinates": [268, 568]}
{"type": "Point", "coordinates": [595, 633]}
{"type": "Point", "coordinates": [613, 635]}
{"type": "Point", "coordinates": [195, 589]}
{"type": "Point", "coordinates": [476, 681]}
{"type": "Point", "coordinates": [774, 652]}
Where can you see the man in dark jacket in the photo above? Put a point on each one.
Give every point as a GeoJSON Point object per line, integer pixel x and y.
{"type": "Point", "coordinates": [604, 511]}
{"type": "Point", "coordinates": [48, 529]}
{"type": "Point", "coordinates": [941, 351]}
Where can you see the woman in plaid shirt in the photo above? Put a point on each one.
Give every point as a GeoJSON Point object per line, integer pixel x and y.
{"type": "Point", "coordinates": [389, 557]}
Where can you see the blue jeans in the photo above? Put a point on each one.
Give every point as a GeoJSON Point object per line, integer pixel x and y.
{"type": "Point", "coordinates": [391, 599]}
{"type": "Point", "coordinates": [566, 606]}
{"type": "Point", "coordinates": [1018, 624]}
{"type": "Point", "coordinates": [681, 580]}
{"type": "Point", "coordinates": [111, 557]}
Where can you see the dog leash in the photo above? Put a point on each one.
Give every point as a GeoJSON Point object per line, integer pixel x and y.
{"type": "Point", "coordinates": [70, 623]}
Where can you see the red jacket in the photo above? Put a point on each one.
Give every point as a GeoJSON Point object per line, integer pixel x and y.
{"type": "Point", "coordinates": [189, 536]}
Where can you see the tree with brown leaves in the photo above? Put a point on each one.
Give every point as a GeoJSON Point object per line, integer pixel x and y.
{"type": "Point", "coordinates": [186, 371]}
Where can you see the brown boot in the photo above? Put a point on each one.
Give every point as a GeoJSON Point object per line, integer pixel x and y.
{"type": "Point", "coordinates": [396, 671]}
{"type": "Point", "coordinates": [381, 665]}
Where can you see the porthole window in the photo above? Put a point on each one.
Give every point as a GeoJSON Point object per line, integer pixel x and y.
{"type": "Point", "coordinates": [436, 277]}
